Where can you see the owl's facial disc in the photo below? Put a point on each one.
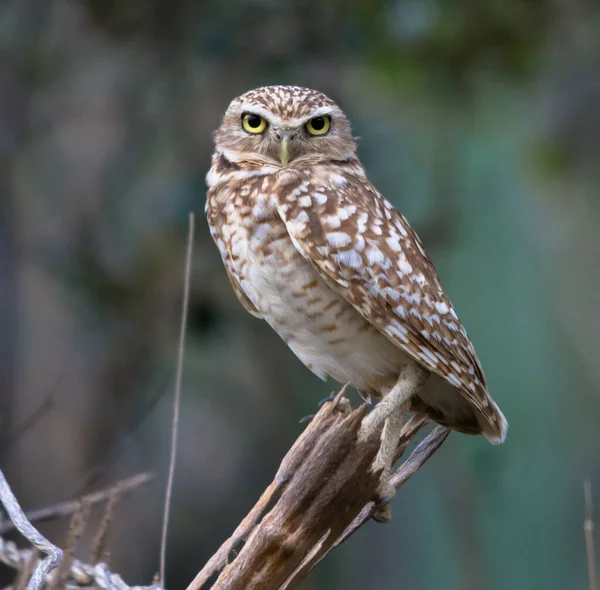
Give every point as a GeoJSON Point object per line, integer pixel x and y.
{"type": "Point", "coordinates": [285, 125]}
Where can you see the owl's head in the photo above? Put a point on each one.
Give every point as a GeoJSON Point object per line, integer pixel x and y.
{"type": "Point", "coordinates": [280, 125]}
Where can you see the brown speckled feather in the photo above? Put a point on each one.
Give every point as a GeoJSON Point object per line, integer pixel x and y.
{"type": "Point", "coordinates": [366, 250]}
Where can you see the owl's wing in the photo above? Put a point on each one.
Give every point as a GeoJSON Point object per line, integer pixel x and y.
{"type": "Point", "coordinates": [243, 298]}
{"type": "Point", "coordinates": [367, 252]}
{"type": "Point", "coordinates": [215, 224]}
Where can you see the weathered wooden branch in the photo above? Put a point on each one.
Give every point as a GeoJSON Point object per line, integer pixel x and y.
{"type": "Point", "coordinates": [322, 493]}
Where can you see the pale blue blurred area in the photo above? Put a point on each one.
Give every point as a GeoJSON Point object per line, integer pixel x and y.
{"type": "Point", "coordinates": [479, 121]}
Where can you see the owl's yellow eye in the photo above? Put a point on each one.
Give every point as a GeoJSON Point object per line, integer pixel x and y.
{"type": "Point", "coordinates": [319, 125]}
{"type": "Point", "coordinates": [253, 123]}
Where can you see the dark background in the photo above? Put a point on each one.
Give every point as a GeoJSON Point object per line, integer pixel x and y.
{"type": "Point", "coordinates": [479, 120]}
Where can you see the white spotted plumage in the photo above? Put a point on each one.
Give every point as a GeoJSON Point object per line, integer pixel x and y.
{"type": "Point", "coordinates": [312, 247]}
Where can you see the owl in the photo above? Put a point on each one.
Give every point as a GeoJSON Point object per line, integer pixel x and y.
{"type": "Point", "coordinates": [311, 247]}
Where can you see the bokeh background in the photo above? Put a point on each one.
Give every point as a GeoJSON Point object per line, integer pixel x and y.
{"type": "Point", "coordinates": [479, 120]}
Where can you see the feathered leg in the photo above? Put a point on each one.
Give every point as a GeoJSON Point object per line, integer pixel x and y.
{"type": "Point", "coordinates": [390, 412]}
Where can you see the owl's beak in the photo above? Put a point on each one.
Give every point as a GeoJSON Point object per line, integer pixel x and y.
{"type": "Point", "coordinates": [284, 137]}
{"type": "Point", "coordinates": [284, 150]}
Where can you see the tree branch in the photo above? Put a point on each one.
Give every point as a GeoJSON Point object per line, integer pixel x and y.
{"type": "Point", "coordinates": [322, 493]}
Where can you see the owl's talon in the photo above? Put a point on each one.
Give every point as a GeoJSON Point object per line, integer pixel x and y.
{"type": "Point", "coordinates": [306, 419]}
{"type": "Point", "coordinates": [382, 511]}
{"type": "Point", "coordinates": [383, 503]}
{"type": "Point", "coordinates": [383, 515]}
{"type": "Point", "coordinates": [329, 398]}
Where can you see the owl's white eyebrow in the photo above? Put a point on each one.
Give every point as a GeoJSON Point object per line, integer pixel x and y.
{"type": "Point", "coordinates": [257, 110]}
{"type": "Point", "coordinates": [316, 113]}
{"type": "Point", "coordinates": [322, 111]}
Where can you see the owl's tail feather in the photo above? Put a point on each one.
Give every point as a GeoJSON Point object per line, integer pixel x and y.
{"type": "Point", "coordinates": [457, 414]}
{"type": "Point", "coordinates": [494, 424]}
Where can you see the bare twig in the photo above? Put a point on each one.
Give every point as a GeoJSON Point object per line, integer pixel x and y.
{"type": "Point", "coordinates": [176, 400]}
{"type": "Point", "coordinates": [323, 492]}
{"type": "Point", "coordinates": [67, 508]}
{"type": "Point", "coordinates": [588, 529]}
{"type": "Point", "coordinates": [77, 525]}
{"type": "Point", "coordinates": [54, 554]}
{"type": "Point", "coordinates": [99, 542]}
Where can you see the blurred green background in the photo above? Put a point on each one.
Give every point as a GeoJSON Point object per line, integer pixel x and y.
{"type": "Point", "coordinates": [479, 120]}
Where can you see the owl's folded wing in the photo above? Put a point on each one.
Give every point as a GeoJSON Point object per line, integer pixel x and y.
{"type": "Point", "coordinates": [243, 298]}
{"type": "Point", "coordinates": [214, 222]}
{"type": "Point", "coordinates": [366, 251]}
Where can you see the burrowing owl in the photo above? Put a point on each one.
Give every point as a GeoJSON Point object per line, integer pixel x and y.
{"type": "Point", "coordinates": [311, 247]}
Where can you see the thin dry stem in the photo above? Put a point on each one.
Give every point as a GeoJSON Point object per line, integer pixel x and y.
{"type": "Point", "coordinates": [77, 525]}
{"type": "Point", "coordinates": [176, 400]}
{"type": "Point", "coordinates": [588, 529]}
{"type": "Point", "coordinates": [99, 542]}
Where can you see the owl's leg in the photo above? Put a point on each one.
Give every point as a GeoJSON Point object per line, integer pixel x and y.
{"type": "Point", "coordinates": [410, 380]}
{"type": "Point", "coordinates": [390, 412]}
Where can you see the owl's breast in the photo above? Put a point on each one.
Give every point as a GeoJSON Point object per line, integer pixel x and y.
{"type": "Point", "coordinates": [328, 335]}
